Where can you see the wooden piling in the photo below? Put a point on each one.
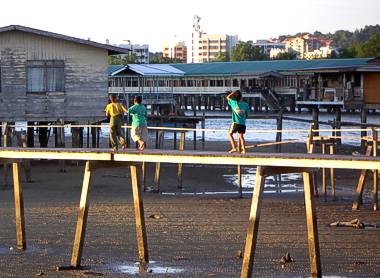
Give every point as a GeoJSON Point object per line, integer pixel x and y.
{"type": "Point", "coordinates": [180, 165]}
{"type": "Point", "coordinates": [312, 229]}
{"type": "Point", "coordinates": [142, 243]}
{"type": "Point", "coordinates": [338, 120]}
{"type": "Point", "coordinates": [315, 114]}
{"type": "Point", "coordinates": [157, 173]}
{"type": "Point", "coordinates": [362, 178]}
{"type": "Point", "coordinates": [239, 174]}
{"type": "Point", "coordinates": [203, 125]}
{"type": "Point", "coordinates": [279, 131]}
{"type": "Point", "coordinates": [324, 177]}
{"type": "Point", "coordinates": [19, 208]}
{"type": "Point", "coordinates": [80, 232]}
{"type": "Point", "coordinates": [332, 174]}
{"type": "Point", "coordinates": [363, 121]}
{"type": "Point", "coordinates": [375, 172]}
{"type": "Point", "coordinates": [253, 225]}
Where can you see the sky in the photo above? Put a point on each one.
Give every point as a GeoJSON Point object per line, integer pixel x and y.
{"type": "Point", "coordinates": [153, 21]}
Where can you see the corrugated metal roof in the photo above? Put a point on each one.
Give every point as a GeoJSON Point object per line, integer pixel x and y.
{"type": "Point", "coordinates": [250, 68]}
{"type": "Point", "coordinates": [259, 67]}
{"type": "Point", "coordinates": [111, 49]}
{"type": "Point", "coordinates": [148, 70]}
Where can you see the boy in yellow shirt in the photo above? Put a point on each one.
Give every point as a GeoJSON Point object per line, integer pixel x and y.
{"type": "Point", "coordinates": [114, 111]}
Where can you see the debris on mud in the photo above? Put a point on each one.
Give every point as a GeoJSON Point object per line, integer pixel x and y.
{"type": "Point", "coordinates": [155, 216]}
{"type": "Point", "coordinates": [239, 254]}
{"type": "Point", "coordinates": [286, 259]}
{"type": "Point", "coordinates": [40, 273]}
{"type": "Point", "coordinates": [355, 223]}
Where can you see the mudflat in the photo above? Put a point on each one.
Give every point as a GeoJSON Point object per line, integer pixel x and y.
{"type": "Point", "coordinates": [192, 232]}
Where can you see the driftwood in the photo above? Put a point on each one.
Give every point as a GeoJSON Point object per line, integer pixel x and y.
{"type": "Point", "coordinates": [355, 223]}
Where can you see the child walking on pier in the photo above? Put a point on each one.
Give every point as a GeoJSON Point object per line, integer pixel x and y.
{"type": "Point", "coordinates": [139, 131]}
{"type": "Point", "coordinates": [115, 111]}
{"type": "Point", "coordinates": [240, 111]}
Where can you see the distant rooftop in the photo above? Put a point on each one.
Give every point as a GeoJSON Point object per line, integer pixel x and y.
{"type": "Point", "coordinates": [112, 50]}
{"type": "Point", "coordinates": [257, 68]}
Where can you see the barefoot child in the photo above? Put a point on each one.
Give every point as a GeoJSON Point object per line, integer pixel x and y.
{"type": "Point", "coordinates": [114, 111]}
{"type": "Point", "coordinates": [240, 111]}
{"type": "Point", "coordinates": [139, 131]}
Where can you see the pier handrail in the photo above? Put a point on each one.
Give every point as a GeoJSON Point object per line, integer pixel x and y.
{"type": "Point", "coordinates": [197, 157]}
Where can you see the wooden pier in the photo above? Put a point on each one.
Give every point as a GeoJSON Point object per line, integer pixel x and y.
{"type": "Point", "coordinates": [268, 164]}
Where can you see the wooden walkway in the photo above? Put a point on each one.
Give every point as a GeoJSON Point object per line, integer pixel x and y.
{"type": "Point", "coordinates": [267, 164]}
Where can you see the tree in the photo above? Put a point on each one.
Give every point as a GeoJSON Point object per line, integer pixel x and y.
{"type": "Point", "coordinates": [123, 59]}
{"type": "Point", "coordinates": [371, 48]}
{"type": "Point", "coordinates": [286, 56]}
{"type": "Point", "coordinates": [246, 51]}
{"type": "Point", "coordinates": [222, 57]}
{"type": "Point", "coordinates": [158, 58]}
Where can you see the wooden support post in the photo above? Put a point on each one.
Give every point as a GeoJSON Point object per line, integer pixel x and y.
{"type": "Point", "coordinates": [310, 149]}
{"type": "Point", "coordinates": [315, 114]}
{"type": "Point", "coordinates": [139, 217]}
{"type": "Point", "coordinates": [80, 232]}
{"type": "Point", "coordinates": [359, 188]}
{"type": "Point", "coordinates": [157, 174]}
{"type": "Point", "coordinates": [175, 138]}
{"type": "Point", "coordinates": [88, 136]}
{"type": "Point", "coordinates": [93, 137]}
{"type": "Point", "coordinates": [30, 135]}
{"type": "Point", "coordinates": [203, 125]}
{"type": "Point", "coordinates": [375, 172]}
{"type": "Point", "coordinates": [363, 120]}
{"type": "Point", "coordinates": [279, 131]}
{"type": "Point", "coordinates": [338, 120]}
{"type": "Point", "coordinates": [332, 175]}
{"type": "Point", "coordinates": [253, 225]}
{"type": "Point", "coordinates": [239, 175]}
{"type": "Point", "coordinates": [312, 229]}
{"type": "Point", "coordinates": [324, 177]}
{"type": "Point", "coordinates": [61, 144]}
{"type": "Point", "coordinates": [143, 175]}
{"type": "Point", "coordinates": [180, 165]}
{"type": "Point", "coordinates": [19, 208]}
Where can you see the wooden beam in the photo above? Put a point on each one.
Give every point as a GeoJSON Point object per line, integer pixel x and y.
{"type": "Point", "coordinates": [142, 243]}
{"type": "Point", "coordinates": [198, 157]}
{"type": "Point", "coordinates": [312, 229]}
{"type": "Point", "coordinates": [253, 225]}
{"type": "Point", "coordinates": [19, 208]}
{"type": "Point", "coordinates": [80, 233]}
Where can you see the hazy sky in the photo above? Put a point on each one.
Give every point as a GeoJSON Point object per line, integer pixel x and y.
{"type": "Point", "coordinates": [155, 21]}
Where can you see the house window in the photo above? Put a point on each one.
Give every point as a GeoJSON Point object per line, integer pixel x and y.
{"type": "Point", "coordinates": [45, 76]}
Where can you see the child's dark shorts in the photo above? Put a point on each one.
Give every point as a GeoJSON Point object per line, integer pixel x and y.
{"type": "Point", "coordinates": [237, 128]}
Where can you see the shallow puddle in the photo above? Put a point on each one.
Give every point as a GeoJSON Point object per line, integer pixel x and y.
{"type": "Point", "coordinates": [285, 183]}
{"type": "Point", "coordinates": [151, 268]}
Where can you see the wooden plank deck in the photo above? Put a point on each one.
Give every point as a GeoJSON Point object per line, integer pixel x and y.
{"type": "Point", "coordinates": [268, 164]}
{"type": "Point", "coordinates": [197, 157]}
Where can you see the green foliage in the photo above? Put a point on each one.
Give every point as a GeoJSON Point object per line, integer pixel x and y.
{"type": "Point", "coordinates": [124, 59]}
{"type": "Point", "coordinates": [286, 56]}
{"type": "Point", "coordinates": [222, 57]}
{"type": "Point", "coordinates": [371, 48]}
{"type": "Point", "coordinates": [158, 58]}
{"type": "Point", "coordinates": [246, 51]}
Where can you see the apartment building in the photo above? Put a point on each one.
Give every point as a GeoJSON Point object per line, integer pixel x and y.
{"type": "Point", "coordinates": [140, 50]}
{"type": "Point", "coordinates": [306, 46]}
{"type": "Point", "coordinates": [207, 47]}
{"type": "Point", "coordinates": [176, 50]}
{"type": "Point", "coordinates": [268, 45]}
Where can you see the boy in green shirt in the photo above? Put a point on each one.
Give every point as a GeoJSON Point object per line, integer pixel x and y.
{"type": "Point", "coordinates": [139, 130]}
{"type": "Point", "coordinates": [240, 111]}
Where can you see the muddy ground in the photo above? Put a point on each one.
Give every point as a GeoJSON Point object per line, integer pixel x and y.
{"type": "Point", "coordinates": [195, 235]}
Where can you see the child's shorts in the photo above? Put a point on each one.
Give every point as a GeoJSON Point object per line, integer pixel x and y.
{"type": "Point", "coordinates": [237, 128]}
{"type": "Point", "coordinates": [139, 133]}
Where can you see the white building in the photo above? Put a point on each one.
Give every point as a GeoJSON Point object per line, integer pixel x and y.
{"type": "Point", "coordinates": [207, 47]}
{"type": "Point", "coordinates": [140, 50]}
{"type": "Point", "coordinates": [268, 45]}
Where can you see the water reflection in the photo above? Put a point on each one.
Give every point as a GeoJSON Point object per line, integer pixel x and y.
{"type": "Point", "coordinates": [152, 267]}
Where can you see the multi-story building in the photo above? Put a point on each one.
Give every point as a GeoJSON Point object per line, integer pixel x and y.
{"type": "Point", "coordinates": [140, 50]}
{"type": "Point", "coordinates": [268, 45]}
{"type": "Point", "coordinates": [177, 50]}
{"type": "Point", "coordinates": [206, 47]}
{"type": "Point", "coordinates": [307, 45]}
